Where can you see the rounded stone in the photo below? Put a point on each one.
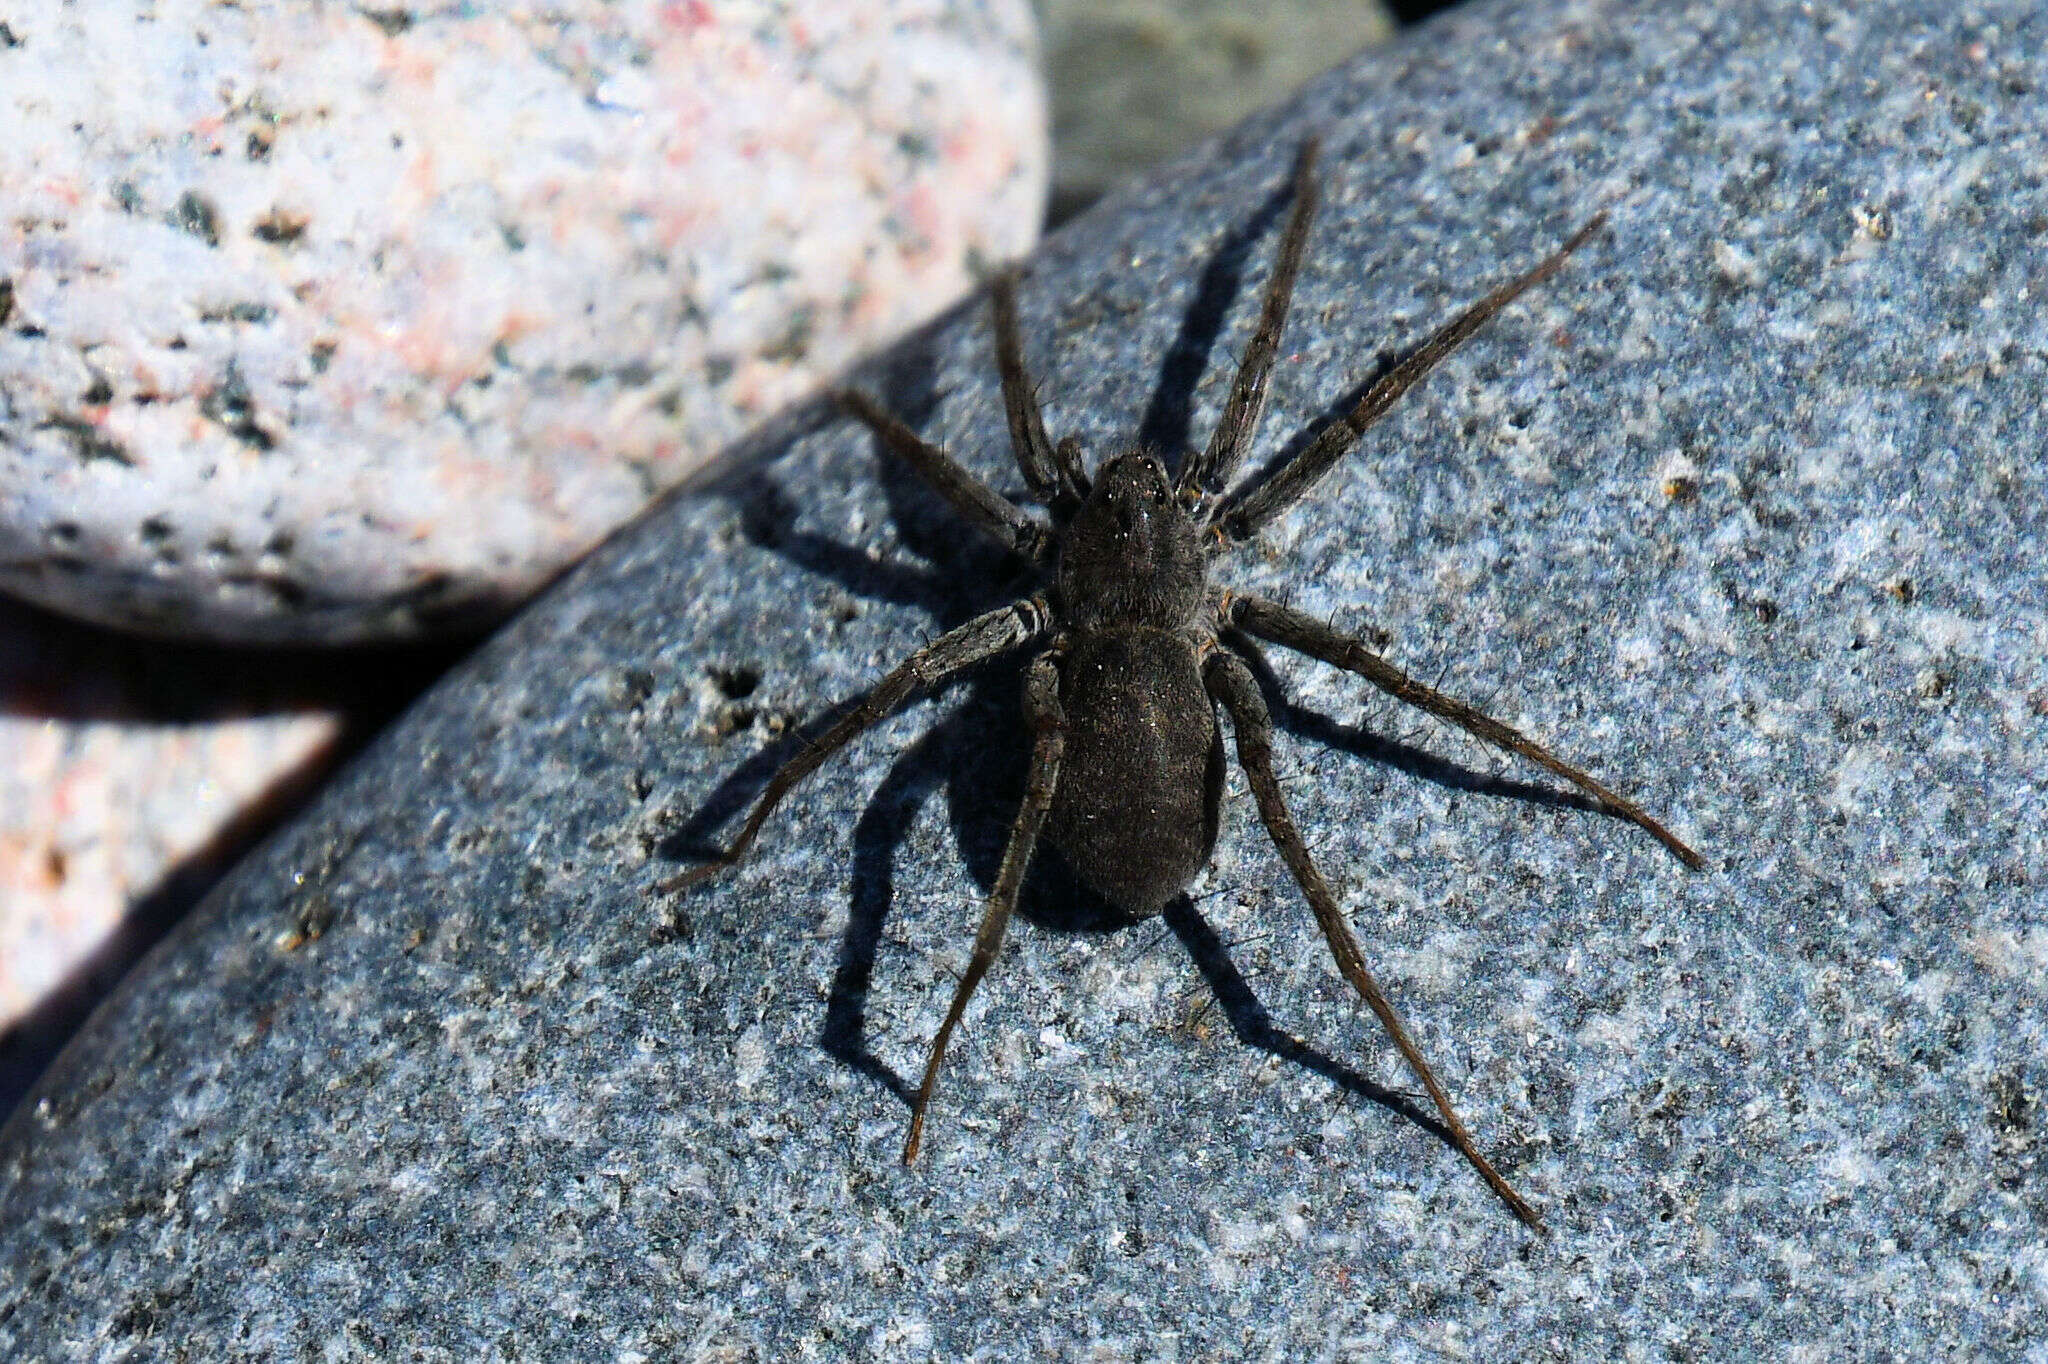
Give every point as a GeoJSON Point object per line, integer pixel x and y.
{"type": "Point", "coordinates": [327, 323]}
{"type": "Point", "coordinates": [1741, 511]}
{"type": "Point", "coordinates": [132, 774]}
{"type": "Point", "coordinates": [1136, 81]}
{"type": "Point", "coordinates": [95, 815]}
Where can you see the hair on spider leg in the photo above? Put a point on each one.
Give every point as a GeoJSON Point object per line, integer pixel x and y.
{"type": "Point", "coordinates": [1133, 662]}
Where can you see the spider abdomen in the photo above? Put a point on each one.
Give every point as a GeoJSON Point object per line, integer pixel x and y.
{"type": "Point", "coordinates": [1135, 810]}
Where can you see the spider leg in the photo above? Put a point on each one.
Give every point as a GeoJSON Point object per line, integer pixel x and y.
{"type": "Point", "coordinates": [1215, 466]}
{"type": "Point", "coordinates": [1241, 517]}
{"type": "Point", "coordinates": [1048, 724]}
{"type": "Point", "coordinates": [1231, 682]}
{"type": "Point", "coordinates": [1068, 454]}
{"type": "Point", "coordinates": [958, 649]}
{"type": "Point", "coordinates": [1304, 633]}
{"type": "Point", "coordinates": [988, 509]}
{"type": "Point", "coordinates": [1054, 475]}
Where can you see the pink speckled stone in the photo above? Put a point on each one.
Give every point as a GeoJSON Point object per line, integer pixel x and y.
{"type": "Point", "coordinates": [93, 816]}
{"type": "Point", "coordinates": [111, 780]}
{"type": "Point", "coordinates": [330, 322]}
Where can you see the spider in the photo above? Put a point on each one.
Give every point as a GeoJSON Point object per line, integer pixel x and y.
{"type": "Point", "coordinates": [1135, 652]}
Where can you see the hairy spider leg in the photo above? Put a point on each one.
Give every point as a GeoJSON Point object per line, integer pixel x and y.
{"type": "Point", "coordinates": [1069, 484]}
{"type": "Point", "coordinates": [985, 637]}
{"type": "Point", "coordinates": [1305, 634]}
{"type": "Point", "coordinates": [1001, 519]}
{"type": "Point", "coordinates": [1230, 681]}
{"type": "Point", "coordinates": [1209, 472]}
{"type": "Point", "coordinates": [1243, 514]}
{"type": "Point", "coordinates": [1042, 712]}
{"type": "Point", "coordinates": [1068, 453]}
{"type": "Point", "coordinates": [1054, 475]}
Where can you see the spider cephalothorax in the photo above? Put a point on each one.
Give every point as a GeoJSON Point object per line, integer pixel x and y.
{"type": "Point", "coordinates": [1131, 555]}
{"type": "Point", "coordinates": [1136, 653]}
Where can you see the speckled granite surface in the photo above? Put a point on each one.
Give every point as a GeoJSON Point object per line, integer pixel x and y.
{"type": "Point", "coordinates": [256, 266]}
{"type": "Point", "coordinates": [133, 774]}
{"type": "Point", "coordinates": [1744, 510]}
{"type": "Point", "coordinates": [114, 775]}
{"type": "Point", "coordinates": [325, 323]}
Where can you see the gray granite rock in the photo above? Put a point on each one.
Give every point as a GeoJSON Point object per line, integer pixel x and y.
{"type": "Point", "coordinates": [1745, 510]}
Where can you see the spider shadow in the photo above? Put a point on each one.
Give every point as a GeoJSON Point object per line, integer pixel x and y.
{"type": "Point", "coordinates": [1169, 416]}
{"type": "Point", "coordinates": [984, 783]}
{"type": "Point", "coordinates": [1362, 742]}
{"type": "Point", "coordinates": [1254, 1027]}
{"type": "Point", "coordinates": [976, 576]}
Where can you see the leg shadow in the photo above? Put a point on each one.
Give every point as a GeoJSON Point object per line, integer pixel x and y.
{"type": "Point", "coordinates": [1403, 757]}
{"type": "Point", "coordinates": [1169, 415]}
{"type": "Point", "coordinates": [1255, 1027]}
{"type": "Point", "coordinates": [882, 828]}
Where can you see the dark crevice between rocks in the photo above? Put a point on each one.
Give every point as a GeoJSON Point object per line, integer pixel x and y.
{"type": "Point", "coordinates": [1410, 12]}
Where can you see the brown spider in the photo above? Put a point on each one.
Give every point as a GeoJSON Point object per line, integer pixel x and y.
{"type": "Point", "coordinates": [1126, 773]}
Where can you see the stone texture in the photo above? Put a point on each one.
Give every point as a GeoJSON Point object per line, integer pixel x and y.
{"type": "Point", "coordinates": [1744, 510]}
{"type": "Point", "coordinates": [94, 814]}
{"type": "Point", "coordinates": [325, 323]}
{"type": "Point", "coordinates": [99, 797]}
{"type": "Point", "coordinates": [133, 773]}
{"type": "Point", "coordinates": [1135, 81]}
